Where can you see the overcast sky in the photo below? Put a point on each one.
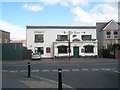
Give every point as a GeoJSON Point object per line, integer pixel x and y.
{"type": "Point", "coordinates": [15, 15]}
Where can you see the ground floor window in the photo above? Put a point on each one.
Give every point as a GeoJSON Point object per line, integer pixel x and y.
{"type": "Point", "coordinates": [89, 49]}
{"type": "Point", "coordinates": [48, 50]}
{"type": "Point", "coordinates": [62, 49]}
{"type": "Point", "coordinates": [39, 49]}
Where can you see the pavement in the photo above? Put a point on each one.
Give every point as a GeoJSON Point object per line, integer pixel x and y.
{"type": "Point", "coordinates": [22, 81]}
{"type": "Point", "coordinates": [63, 60]}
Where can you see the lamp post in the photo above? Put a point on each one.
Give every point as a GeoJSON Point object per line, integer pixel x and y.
{"type": "Point", "coordinates": [69, 46]}
{"type": "Point", "coordinates": [69, 50]}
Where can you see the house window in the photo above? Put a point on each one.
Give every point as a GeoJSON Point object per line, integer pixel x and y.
{"type": "Point", "coordinates": [62, 37]}
{"type": "Point", "coordinates": [108, 35]}
{"type": "Point", "coordinates": [86, 37]}
{"type": "Point", "coordinates": [48, 50]}
{"type": "Point", "coordinates": [39, 38]}
{"type": "Point", "coordinates": [62, 49]}
{"type": "Point", "coordinates": [89, 49]}
{"type": "Point", "coordinates": [115, 35]}
{"type": "Point", "coordinates": [39, 49]}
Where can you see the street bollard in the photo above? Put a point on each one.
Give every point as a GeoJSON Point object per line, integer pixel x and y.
{"type": "Point", "coordinates": [59, 79]}
{"type": "Point", "coordinates": [29, 72]}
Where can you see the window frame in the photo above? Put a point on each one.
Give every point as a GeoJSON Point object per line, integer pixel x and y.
{"type": "Point", "coordinates": [47, 49]}
{"type": "Point", "coordinates": [108, 36]}
{"type": "Point", "coordinates": [39, 40]}
{"type": "Point", "coordinates": [38, 50]}
{"type": "Point", "coordinates": [114, 35]}
{"type": "Point", "coordinates": [60, 38]}
{"type": "Point", "coordinates": [60, 51]}
{"type": "Point", "coordinates": [88, 47]}
{"type": "Point", "coordinates": [82, 37]}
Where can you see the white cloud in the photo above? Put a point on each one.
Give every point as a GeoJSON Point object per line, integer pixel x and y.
{"type": "Point", "coordinates": [101, 12]}
{"type": "Point", "coordinates": [16, 32]}
{"type": "Point", "coordinates": [50, 2]}
{"type": "Point", "coordinates": [55, 0]}
{"type": "Point", "coordinates": [33, 7]}
{"type": "Point", "coordinates": [65, 3]}
{"type": "Point", "coordinates": [79, 2]}
{"type": "Point", "coordinates": [81, 15]}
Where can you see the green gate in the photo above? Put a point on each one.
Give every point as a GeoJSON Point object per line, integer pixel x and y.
{"type": "Point", "coordinates": [76, 52]}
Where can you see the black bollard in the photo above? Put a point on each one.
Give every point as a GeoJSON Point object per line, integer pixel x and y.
{"type": "Point", "coordinates": [59, 79]}
{"type": "Point", "coordinates": [29, 72]}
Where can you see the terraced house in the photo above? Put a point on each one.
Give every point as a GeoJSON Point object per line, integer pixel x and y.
{"type": "Point", "coordinates": [54, 41]}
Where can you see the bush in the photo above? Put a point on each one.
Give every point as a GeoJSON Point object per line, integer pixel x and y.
{"type": "Point", "coordinates": [110, 51]}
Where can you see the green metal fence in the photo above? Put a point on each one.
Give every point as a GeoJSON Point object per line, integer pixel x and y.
{"type": "Point", "coordinates": [12, 51]}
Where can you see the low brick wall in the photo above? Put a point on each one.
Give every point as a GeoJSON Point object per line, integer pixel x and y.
{"type": "Point", "coordinates": [117, 54]}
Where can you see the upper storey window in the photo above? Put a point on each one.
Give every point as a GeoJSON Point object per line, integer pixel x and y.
{"type": "Point", "coordinates": [39, 38]}
{"type": "Point", "coordinates": [62, 38]}
{"type": "Point", "coordinates": [115, 35]}
{"type": "Point", "coordinates": [86, 37]}
{"type": "Point", "coordinates": [108, 35]}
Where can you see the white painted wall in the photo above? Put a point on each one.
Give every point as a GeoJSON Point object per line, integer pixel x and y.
{"type": "Point", "coordinates": [50, 36]}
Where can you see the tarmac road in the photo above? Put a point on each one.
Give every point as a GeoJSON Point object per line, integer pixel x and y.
{"type": "Point", "coordinates": [77, 73]}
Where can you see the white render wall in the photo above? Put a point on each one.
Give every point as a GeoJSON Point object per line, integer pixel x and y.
{"type": "Point", "coordinates": [50, 36]}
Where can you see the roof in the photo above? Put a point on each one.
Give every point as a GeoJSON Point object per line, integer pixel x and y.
{"type": "Point", "coordinates": [4, 31]}
{"type": "Point", "coordinates": [18, 41]}
{"type": "Point", "coordinates": [107, 24]}
{"type": "Point", "coordinates": [59, 27]}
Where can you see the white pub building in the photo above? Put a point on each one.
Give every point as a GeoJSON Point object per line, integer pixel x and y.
{"type": "Point", "coordinates": [54, 41]}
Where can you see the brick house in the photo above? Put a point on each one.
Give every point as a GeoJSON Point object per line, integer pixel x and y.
{"type": "Point", "coordinates": [4, 36]}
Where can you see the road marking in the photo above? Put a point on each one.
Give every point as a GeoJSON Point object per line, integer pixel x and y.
{"type": "Point", "coordinates": [105, 69]}
{"type": "Point", "coordinates": [35, 71]}
{"type": "Point", "coordinates": [115, 71]}
{"type": "Point", "coordinates": [95, 69]}
{"type": "Point", "coordinates": [24, 71]}
{"type": "Point", "coordinates": [46, 70]}
{"type": "Point", "coordinates": [75, 70]}
{"type": "Point", "coordinates": [85, 69]}
{"type": "Point", "coordinates": [113, 68]}
{"type": "Point", "coordinates": [14, 65]}
{"type": "Point", "coordinates": [13, 71]}
{"type": "Point", "coordinates": [55, 70]}
{"type": "Point", "coordinates": [65, 70]}
{"type": "Point", "coordinates": [4, 71]}
{"type": "Point", "coordinates": [106, 63]}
